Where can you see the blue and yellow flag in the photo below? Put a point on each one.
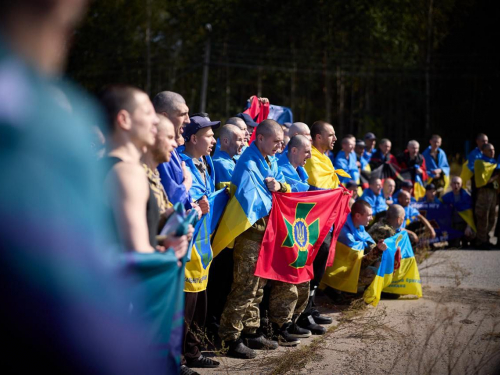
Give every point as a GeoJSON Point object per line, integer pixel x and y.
{"type": "Point", "coordinates": [418, 188]}
{"type": "Point", "coordinates": [440, 163]}
{"type": "Point", "coordinates": [483, 170]}
{"type": "Point", "coordinates": [201, 255]}
{"type": "Point", "coordinates": [251, 201]}
{"type": "Point", "coordinates": [463, 206]}
{"type": "Point", "coordinates": [398, 271]}
{"type": "Point", "coordinates": [344, 273]}
{"type": "Point", "coordinates": [322, 174]}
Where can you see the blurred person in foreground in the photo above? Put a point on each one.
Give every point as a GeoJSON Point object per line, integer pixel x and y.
{"type": "Point", "coordinates": [462, 218]}
{"type": "Point", "coordinates": [54, 233]}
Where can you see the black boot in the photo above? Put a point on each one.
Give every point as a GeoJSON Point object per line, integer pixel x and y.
{"type": "Point", "coordinates": [298, 332]}
{"type": "Point", "coordinates": [259, 342]}
{"type": "Point", "coordinates": [239, 350]}
{"type": "Point", "coordinates": [283, 337]}
{"type": "Point", "coordinates": [307, 322]}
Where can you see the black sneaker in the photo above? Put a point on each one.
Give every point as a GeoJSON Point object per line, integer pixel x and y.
{"type": "Point", "coordinates": [297, 332]}
{"type": "Point", "coordinates": [239, 350]}
{"type": "Point", "coordinates": [307, 322]}
{"type": "Point", "coordinates": [321, 319]}
{"type": "Point", "coordinates": [259, 342]}
{"type": "Point", "coordinates": [202, 362]}
{"type": "Point", "coordinates": [187, 371]}
{"type": "Point", "coordinates": [283, 337]}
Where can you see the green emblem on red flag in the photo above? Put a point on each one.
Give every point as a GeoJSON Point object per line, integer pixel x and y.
{"type": "Point", "coordinates": [300, 234]}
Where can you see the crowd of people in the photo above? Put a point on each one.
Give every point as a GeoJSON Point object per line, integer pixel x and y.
{"type": "Point", "coordinates": [184, 163]}
{"type": "Point", "coordinates": [154, 159]}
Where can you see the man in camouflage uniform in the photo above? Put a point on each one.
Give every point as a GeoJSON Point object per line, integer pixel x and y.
{"type": "Point", "coordinates": [240, 319]}
{"type": "Point", "coordinates": [487, 189]}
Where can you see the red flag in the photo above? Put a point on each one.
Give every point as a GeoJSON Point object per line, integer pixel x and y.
{"type": "Point", "coordinates": [258, 111]}
{"type": "Point", "coordinates": [298, 224]}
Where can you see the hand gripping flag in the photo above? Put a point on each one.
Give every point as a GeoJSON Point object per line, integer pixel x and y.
{"type": "Point", "coordinates": [398, 271]}
{"type": "Point", "coordinates": [298, 224]}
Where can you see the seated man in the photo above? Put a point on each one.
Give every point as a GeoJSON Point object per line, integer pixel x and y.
{"type": "Point", "coordinates": [408, 187]}
{"type": "Point", "coordinates": [374, 197]}
{"type": "Point", "coordinates": [436, 161]}
{"type": "Point", "coordinates": [462, 218]}
{"type": "Point", "coordinates": [370, 141]}
{"type": "Point", "coordinates": [414, 222]}
{"type": "Point", "coordinates": [382, 155]}
{"type": "Point", "coordinates": [346, 160]}
{"type": "Point", "coordinates": [388, 190]}
{"type": "Point", "coordinates": [354, 236]}
{"type": "Point", "coordinates": [359, 149]}
{"type": "Point", "coordinates": [430, 195]}
{"type": "Point", "coordinates": [389, 225]}
{"type": "Point", "coordinates": [231, 144]}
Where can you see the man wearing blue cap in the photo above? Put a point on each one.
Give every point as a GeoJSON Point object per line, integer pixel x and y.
{"type": "Point", "coordinates": [199, 142]}
{"type": "Point", "coordinates": [251, 124]}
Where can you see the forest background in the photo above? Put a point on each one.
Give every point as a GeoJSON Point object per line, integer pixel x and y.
{"type": "Point", "coordinates": [403, 69]}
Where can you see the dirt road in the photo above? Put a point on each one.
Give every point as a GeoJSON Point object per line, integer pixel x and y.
{"type": "Point", "coordinates": [453, 329]}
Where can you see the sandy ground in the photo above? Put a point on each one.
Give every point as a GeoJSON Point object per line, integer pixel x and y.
{"type": "Point", "coordinates": [453, 329]}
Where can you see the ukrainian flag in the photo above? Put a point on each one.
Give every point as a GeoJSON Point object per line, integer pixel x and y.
{"type": "Point", "coordinates": [418, 188]}
{"type": "Point", "coordinates": [441, 163]}
{"type": "Point", "coordinates": [201, 254]}
{"type": "Point", "coordinates": [483, 170]}
{"type": "Point", "coordinates": [344, 273]}
{"type": "Point", "coordinates": [252, 199]}
{"type": "Point", "coordinates": [463, 206]}
{"type": "Point", "coordinates": [322, 174]}
{"type": "Point", "coordinates": [399, 278]}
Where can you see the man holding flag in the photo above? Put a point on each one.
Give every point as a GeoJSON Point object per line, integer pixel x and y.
{"type": "Point", "coordinates": [199, 142]}
{"type": "Point", "coordinates": [322, 176]}
{"type": "Point", "coordinates": [486, 178]}
{"type": "Point", "coordinates": [468, 166]}
{"type": "Point", "coordinates": [244, 221]}
{"type": "Point", "coordinates": [436, 161]}
{"type": "Point", "coordinates": [356, 252]}
{"type": "Point", "coordinates": [292, 165]}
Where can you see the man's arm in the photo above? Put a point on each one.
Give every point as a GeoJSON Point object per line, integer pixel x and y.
{"type": "Point", "coordinates": [427, 225]}
{"type": "Point", "coordinates": [128, 193]}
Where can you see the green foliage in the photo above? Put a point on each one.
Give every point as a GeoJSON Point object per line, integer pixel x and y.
{"type": "Point", "coordinates": [358, 63]}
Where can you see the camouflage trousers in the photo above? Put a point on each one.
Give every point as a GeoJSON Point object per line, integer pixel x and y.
{"type": "Point", "coordinates": [485, 213]}
{"type": "Point", "coordinates": [241, 313]}
{"type": "Point", "coordinates": [287, 300]}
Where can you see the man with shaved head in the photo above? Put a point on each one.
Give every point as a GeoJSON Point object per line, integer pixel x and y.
{"type": "Point", "coordinates": [389, 225]}
{"type": "Point", "coordinates": [174, 175]}
{"type": "Point", "coordinates": [414, 220]}
{"type": "Point", "coordinates": [231, 140]}
{"type": "Point", "coordinates": [412, 162]}
{"type": "Point", "coordinates": [242, 126]}
{"type": "Point", "coordinates": [382, 155]}
{"type": "Point", "coordinates": [255, 176]}
{"type": "Point", "coordinates": [346, 159]}
{"type": "Point", "coordinates": [301, 129]}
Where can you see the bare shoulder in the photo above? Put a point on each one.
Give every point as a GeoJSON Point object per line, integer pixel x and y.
{"type": "Point", "coordinates": [128, 178]}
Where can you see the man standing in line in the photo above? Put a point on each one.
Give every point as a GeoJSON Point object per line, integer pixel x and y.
{"type": "Point", "coordinates": [255, 177]}
{"type": "Point", "coordinates": [231, 140]}
{"type": "Point", "coordinates": [322, 175]}
{"type": "Point", "coordinates": [346, 159]}
{"type": "Point", "coordinates": [486, 180]}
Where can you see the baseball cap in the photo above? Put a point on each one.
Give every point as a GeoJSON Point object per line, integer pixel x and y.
{"type": "Point", "coordinates": [406, 184]}
{"type": "Point", "coordinates": [370, 135]}
{"type": "Point", "coordinates": [248, 120]}
{"type": "Point", "coordinates": [197, 123]}
{"type": "Point", "coordinates": [430, 187]}
{"type": "Point", "coordinates": [360, 142]}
